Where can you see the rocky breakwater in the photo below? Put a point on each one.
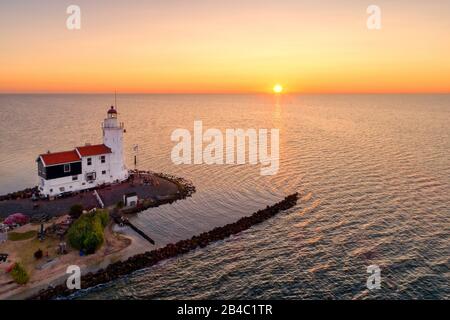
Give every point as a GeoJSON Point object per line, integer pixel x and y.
{"type": "Point", "coordinates": [22, 194]}
{"type": "Point", "coordinates": [185, 189]}
{"type": "Point", "coordinates": [148, 259]}
{"type": "Point", "coordinates": [185, 186]}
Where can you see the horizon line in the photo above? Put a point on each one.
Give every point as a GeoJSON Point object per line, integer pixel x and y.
{"type": "Point", "coordinates": [226, 93]}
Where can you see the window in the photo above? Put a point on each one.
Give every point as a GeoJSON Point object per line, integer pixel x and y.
{"type": "Point", "coordinates": [67, 168]}
{"type": "Point", "coordinates": [104, 172]}
{"type": "Point", "coordinates": [103, 159]}
{"type": "Point", "coordinates": [89, 161]}
{"type": "Point", "coordinates": [62, 189]}
{"type": "Point", "coordinates": [90, 176]}
{"type": "Point", "coordinates": [51, 190]}
{"type": "Point", "coordinates": [74, 178]}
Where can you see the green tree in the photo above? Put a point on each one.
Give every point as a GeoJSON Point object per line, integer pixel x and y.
{"type": "Point", "coordinates": [104, 217]}
{"type": "Point", "coordinates": [87, 232]}
{"type": "Point", "coordinates": [94, 239]}
{"type": "Point", "coordinates": [19, 274]}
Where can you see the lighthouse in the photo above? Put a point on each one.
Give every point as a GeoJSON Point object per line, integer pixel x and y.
{"type": "Point", "coordinates": [85, 167]}
{"type": "Point", "coordinates": [113, 139]}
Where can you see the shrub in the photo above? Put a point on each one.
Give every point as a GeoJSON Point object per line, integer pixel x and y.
{"type": "Point", "coordinates": [38, 254]}
{"type": "Point", "coordinates": [19, 274]}
{"type": "Point", "coordinates": [17, 218]}
{"type": "Point", "coordinates": [103, 216]}
{"type": "Point", "coordinates": [93, 240]}
{"type": "Point", "coordinates": [75, 211]}
{"type": "Point", "coordinates": [120, 204]}
{"type": "Point", "coordinates": [87, 232]}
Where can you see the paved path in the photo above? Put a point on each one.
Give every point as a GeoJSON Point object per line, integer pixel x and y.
{"type": "Point", "coordinates": [162, 188]}
{"type": "Point", "coordinates": [110, 195]}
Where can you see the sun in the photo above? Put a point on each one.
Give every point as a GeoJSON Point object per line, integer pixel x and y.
{"type": "Point", "coordinates": [278, 88]}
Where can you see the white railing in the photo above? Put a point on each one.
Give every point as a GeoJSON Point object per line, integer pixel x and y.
{"type": "Point", "coordinates": [113, 126]}
{"type": "Point", "coordinates": [99, 200]}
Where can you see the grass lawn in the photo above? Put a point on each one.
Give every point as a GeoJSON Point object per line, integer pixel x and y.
{"type": "Point", "coordinates": [23, 251]}
{"type": "Point", "coordinates": [16, 236]}
{"type": "Point", "coordinates": [49, 246]}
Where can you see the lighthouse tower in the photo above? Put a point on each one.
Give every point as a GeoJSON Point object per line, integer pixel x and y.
{"type": "Point", "coordinates": [113, 138]}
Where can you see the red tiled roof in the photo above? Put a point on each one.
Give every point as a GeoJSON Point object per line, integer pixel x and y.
{"type": "Point", "coordinates": [60, 157]}
{"type": "Point", "coordinates": [93, 150]}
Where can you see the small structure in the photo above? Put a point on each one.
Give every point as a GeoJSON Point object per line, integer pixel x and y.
{"type": "Point", "coordinates": [3, 236]}
{"type": "Point", "coordinates": [3, 232]}
{"type": "Point", "coordinates": [130, 199]}
{"type": "Point", "coordinates": [62, 248]}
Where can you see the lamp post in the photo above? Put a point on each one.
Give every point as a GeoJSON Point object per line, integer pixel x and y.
{"type": "Point", "coordinates": [136, 151]}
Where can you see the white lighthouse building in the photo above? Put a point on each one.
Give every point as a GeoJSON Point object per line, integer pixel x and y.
{"type": "Point", "coordinates": [113, 139]}
{"type": "Point", "coordinates": [85, 167]}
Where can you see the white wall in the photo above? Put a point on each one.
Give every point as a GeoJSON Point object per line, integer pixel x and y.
{"type": "Point", "coordinates": [65, 182]}
{"type": "Point", "coordinates": [97, 166]}
{"type": "Point", "coordinates": [81, 184]}
{"type": "Point", "coordinates": [113, 138]}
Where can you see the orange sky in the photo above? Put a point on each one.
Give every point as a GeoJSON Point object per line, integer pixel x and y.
{"type": "Point", "coordinates": [203, 47]}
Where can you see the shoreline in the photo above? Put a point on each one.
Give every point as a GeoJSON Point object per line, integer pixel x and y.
{"type": "Point", "coordinates": [20, 194]}
{"type": "Point", "coordinates": [144, 260]}
{"type": "Point", "coordinates": [117, 246]}
{"type": "Point", "coordinates": [137, 243]}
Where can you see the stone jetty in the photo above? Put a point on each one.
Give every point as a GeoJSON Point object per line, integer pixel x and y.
{"type": "Point", "coordinates": [22, 194]}
{"type": "Point", "coordinates": [148, 259]}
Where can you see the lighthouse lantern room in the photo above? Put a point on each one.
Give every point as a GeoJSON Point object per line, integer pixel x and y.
{"type": "Point", "coordinates": [85, 167]}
